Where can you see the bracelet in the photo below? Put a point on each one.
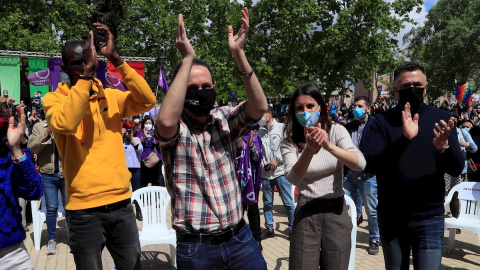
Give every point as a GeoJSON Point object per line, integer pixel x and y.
{"type": "Point", "coordinates": [86, 78]}
{"type": "Point", "coordinates": [18, 160]}
{"type": "Point", "coordinates": [247, 74]}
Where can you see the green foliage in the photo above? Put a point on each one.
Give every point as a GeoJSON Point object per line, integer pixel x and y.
{"type": "Point", "coordinates": [290, 41]}
{"type": "Point", "coordinates": [448, 45]}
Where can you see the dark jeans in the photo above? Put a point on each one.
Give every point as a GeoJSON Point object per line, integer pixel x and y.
{"type": "Point", "coordinates": [240, 252]}
{"type": "Point", "coordinates": [423, 237]}
{"type": "Point", "coordinates": [136, 182]}
{"type": "Point", "coordinates": [51, 185]}
{"type": "Point", "coordinates": [92, 230]}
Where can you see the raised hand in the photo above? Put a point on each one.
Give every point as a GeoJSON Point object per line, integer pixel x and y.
{"type": "Point", "coordinates": [182, 42]}
{"type": "Point", "coordinates": [16, 135]}
{"type": "Point", "coordinates": [90, 56]}
{"type": "Point", "coordinates": [236, 43]}
{"type": "Point", "coordinates": [107, 46]}
{"type": "Point", "coordinates": [410, 126]}
{"type": "Point", "coordinates": [441, 133]}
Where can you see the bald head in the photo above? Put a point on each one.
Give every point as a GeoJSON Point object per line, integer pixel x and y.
{"type": "Point", "coordinates": [72, 53]}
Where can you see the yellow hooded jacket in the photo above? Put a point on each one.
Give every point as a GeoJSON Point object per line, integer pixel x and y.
{"type": "Point", "coordinates": [86, 122]}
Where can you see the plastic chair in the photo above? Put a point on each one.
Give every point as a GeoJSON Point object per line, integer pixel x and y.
{"type": "Point", "coordinates": [353, 234]}
{"type": "Point", "coordinates": [469, 217]}
{"type": "Point", "coordinates": [153, 202]}
{"type": "Point", "coordinates": [39, 216]}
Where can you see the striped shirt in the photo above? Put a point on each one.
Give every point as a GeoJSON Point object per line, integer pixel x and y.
{"type": "Point", "coordinates": [200, 171]}
{"type": "Point", "coordinates": [324, 176]}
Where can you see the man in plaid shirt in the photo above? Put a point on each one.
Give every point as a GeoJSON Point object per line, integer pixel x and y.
{"type": "Point", "coordinates": [197, 147]}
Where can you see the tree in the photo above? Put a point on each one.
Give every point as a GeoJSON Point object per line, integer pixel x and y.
{"type": "Point", "coordinates": [447, 45]}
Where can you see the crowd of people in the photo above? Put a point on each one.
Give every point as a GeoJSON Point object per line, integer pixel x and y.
{"type": "Point", "coordinates": [94, 146]}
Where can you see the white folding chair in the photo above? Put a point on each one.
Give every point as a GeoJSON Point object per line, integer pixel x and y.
{"type": "Point", "coordinates": [39, 216]}
{"type": "Point", "coordinates": [469, 218]}
{"type": "Point", "coordinates": [153, 202]}
{"type": "Point", "coordinates": [353, 234]}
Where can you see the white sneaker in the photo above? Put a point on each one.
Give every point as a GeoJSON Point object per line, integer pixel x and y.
{"type": "Point", "coordinates": [51, 247]}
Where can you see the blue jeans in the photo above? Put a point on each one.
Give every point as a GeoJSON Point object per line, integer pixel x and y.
{"type": "Point", "coordinates": [92, 229]}
{"type": "Point", "coordinates": [368, 190]}
{"type": "Point", "coordinates": [423, 237]}
{"type": "Point", "coordinates": [51, 185]}
{"type": "Point", "coordinates": [285, 190]}
{"type": "Point", "coordinates": [240, 252]}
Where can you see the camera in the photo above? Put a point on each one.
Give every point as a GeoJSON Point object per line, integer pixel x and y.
{"type": "Point", "coordinates": [129, 131]}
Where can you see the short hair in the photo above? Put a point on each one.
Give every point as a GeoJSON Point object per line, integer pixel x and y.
{"type": "Point", "coordinates": [269, 109]}
{"type": "Point", "coordinates": [196, 62]}
{"type": "Point", "coordinates": [364, 98]}
{"type": "Point", "coordinates": [129, 124]}
{"type": "Point", "coordinates": [408, 66]}
{"type": "Point", "coordinates": [68, 45]}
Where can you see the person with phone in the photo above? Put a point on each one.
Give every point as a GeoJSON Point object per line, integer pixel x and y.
{"type": "Point", "coordinates": [133, 150]}
{"type": "Point", "coordinates": [85, 119]}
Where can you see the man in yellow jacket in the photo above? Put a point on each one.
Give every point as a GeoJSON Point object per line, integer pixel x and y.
{"type": "Point", "coordinates": [86, 121]}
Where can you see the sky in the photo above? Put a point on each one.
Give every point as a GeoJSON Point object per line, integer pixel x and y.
{"type": "Point", "coordinates": [417, 17]}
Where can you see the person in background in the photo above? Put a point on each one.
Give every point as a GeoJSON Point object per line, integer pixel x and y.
{"type": "Point", "coordinates": [249, 150]}
{"type": "Point", "coordinates": [475, 133]}
{"type": "Point", "coordinates": [151, 175]}
{"type": "Point", "coordinates": [315, 151]}
{"type": "Point", "coordinates": [138, 124]}
{"type": "Point", "coordinates": [133, 151]}
{"type": "Point", "coordinates": [467, 145]}
{"type": "Point", "coordinates": [364, 181]}
{"type": "Point", "coordinates": [18, 178]}
{"type": "Point", "coordinates": [42, 143]}
{"type": "Point", "coordinates": [271, 134]}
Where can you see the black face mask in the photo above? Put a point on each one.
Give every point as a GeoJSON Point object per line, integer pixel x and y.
{"type": "Point", "coordinates": [412, 95]}
{"type": "Point", "coordinates": [200, 102]}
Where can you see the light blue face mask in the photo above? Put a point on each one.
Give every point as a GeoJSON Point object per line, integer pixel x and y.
{"type": "Point", "coordinates": [308, 118]}
{"type": "Point", "coordinates": [358, 113]}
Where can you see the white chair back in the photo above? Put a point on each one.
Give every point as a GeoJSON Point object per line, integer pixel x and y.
{"type": "Point", "coordinates": [353, 234]}
{"type": "Point", "coordinates": [153, 202]}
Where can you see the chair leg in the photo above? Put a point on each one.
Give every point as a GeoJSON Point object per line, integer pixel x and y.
{"type": "Point", "coordinates": [451, 238]}
{"type": "Point", "coordinates": [173, 255]}
{"type": "Point", "coordinates": [37, 234]}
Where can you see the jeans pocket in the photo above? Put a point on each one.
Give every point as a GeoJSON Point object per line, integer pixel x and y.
{"type": "Point", "coordinates": [128, 207]}
{"type": "Point", "coordinates": [244, 235]}
{"type": "Point", "coordinates": [186, 249]}
{"type": "Point", "coordinates": [81, 217]}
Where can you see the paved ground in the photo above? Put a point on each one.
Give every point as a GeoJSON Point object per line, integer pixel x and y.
{"type": "Point", "coordinates": [275, 250]}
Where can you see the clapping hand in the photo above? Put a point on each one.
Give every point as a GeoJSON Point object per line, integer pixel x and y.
{"type": "Point", "coordinates": [236, 43]}
{"type": "Point", "coordinates": [182, 42]}
{"type": "Point", "coordinates": [441, 133]}
{"type": "Point", "coordinates": [16, 135]}
{"type": "Point", "coordinates": [410, 125]}
{"type": "Point", "coordinates": [316, 138]}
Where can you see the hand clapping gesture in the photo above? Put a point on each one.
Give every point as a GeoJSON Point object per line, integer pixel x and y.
{"type": "Point", "coordinates": [16, 135]}
{"type": "Point", "coordinates": [316, 138]}
{"type": "Point", "coordinates": [182, 42]}
{"type": "Point", "coordinates": [441, 133]}
{"type": "Point", "coordinates": [236, 43]}
{"type": "Point", "coordinates": [410, 125]}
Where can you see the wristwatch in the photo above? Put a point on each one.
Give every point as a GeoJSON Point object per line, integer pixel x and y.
{"type": "Point", "coordinates": [443, 150]}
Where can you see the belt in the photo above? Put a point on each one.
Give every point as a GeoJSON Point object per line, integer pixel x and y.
{"type": "Point", "coordinates": [108, 207]}
{"type": "Point", "coordinates": [214, 238]}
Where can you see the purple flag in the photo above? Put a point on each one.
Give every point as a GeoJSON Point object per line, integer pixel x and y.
{"type": "Point", "coordinates": [100, 73]}
{"type": "Point", "coordinates": [114, 82]}
{"type": "Point", "coordinates": [162, 81]}
{"type": "Point", "coordinates": [249, 176]}
{"type": "Point", "coordinates": [39, 78]}
{"type": "Point", "coordinates": [54, 67]}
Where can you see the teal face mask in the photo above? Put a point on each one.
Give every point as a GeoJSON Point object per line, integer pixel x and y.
{"type": "Point", "coordinates": [308, 118]}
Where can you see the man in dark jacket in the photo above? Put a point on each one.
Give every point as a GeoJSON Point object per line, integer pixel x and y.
{"type": "Point", "coordinates": [410, 148]}
{"type": "Point", "coordinates": [364, 181]}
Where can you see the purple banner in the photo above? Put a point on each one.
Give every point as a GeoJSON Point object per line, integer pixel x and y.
{"type": "Point", "coordinates": [54, 67]}
{"type": "Point", "coordinates": [40, 78]}
{"type": "Point", "coordinates": [114, 82]}
{"type": "Point", "coordinates": [162, 81]}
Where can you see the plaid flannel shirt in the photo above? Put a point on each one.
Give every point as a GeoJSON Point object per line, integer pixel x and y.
{"type": "Point", "coordinates": [200, 172]}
